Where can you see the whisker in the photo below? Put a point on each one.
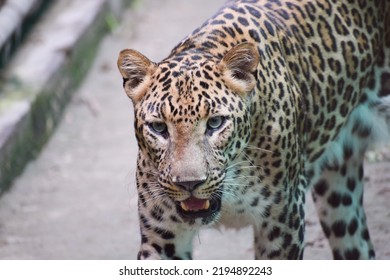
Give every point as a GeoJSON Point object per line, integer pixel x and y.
{"type": "Point", "coordinates": [230, 171]}
{"type": "Point", "coordinates": [251, 147]}
{"type": "Point", "coordinates": [247, 158]}
{"type": "Point", "coordinates": [153, 199]}
{"type": "Point", "coordinates": [239, 177]}
{"type": "Point", "coordinates": [234, 164]}
{"type": "Point", "coordinates": [242, 185]}
{"type": "Point", "coordinates": [250, 166]}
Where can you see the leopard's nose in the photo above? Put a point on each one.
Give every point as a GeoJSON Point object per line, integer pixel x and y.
{"type": "Point", "coordinates": [189, 185]}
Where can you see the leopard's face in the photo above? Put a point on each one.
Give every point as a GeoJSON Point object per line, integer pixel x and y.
{"type": "Point", "coordinates": [192, 121]}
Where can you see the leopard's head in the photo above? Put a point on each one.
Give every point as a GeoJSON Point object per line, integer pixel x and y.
{"type": "Point", "coordinates": [192, 119]}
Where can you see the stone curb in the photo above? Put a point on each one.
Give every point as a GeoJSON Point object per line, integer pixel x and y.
{"type": "Point", "coordinates": [17, 17]}
{"type": "Point", "coordinates": [42, 76]}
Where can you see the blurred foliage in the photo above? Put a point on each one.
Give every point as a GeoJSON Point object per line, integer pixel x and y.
{"type": "Point", "coordinates": [112, 22]}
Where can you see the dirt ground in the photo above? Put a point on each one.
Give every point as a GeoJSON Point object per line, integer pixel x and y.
{"type": "Point", "coordinates": [77, 200]}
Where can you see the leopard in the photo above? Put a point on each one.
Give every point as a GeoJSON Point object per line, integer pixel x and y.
{"type": "Point", "coordinates": [266, 102]}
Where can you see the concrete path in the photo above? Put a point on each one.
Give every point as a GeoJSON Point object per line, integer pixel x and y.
{"type": "Point", "coordinates": [77, 200]}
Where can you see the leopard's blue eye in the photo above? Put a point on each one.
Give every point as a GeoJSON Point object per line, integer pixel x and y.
{"type": "Point", "coordinates": [159, 127]}
{"type": "Point", "coordinates": [215, 123]}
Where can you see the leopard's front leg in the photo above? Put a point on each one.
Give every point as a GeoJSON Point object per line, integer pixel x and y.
{"type": "Point", "coordinates": [153, 247]}
{"type": "Point", "coordinates": [281, 232]}
{"type": "Point", "coordinates": [163, 234]}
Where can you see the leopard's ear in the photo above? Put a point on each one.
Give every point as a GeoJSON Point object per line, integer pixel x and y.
{"type": "Point", "coordinates": [136, 70]}
{"type": "Point", "coordinates": [238, 67]}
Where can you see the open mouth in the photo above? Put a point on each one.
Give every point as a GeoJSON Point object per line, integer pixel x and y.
{"type": "Point", "coordinates": [198, 208]}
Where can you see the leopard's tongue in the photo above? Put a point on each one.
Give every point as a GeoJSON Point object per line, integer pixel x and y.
{"type": "Point", "coordinates": [195, 204]}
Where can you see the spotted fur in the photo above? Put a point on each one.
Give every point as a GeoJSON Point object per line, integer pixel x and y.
{"type": "Point", "coordinates": [265, 100]}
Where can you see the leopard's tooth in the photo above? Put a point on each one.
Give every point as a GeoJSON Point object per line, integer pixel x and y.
{"type": "Point", "coordinates": [206, 205]}
{"type": "Point", "coordinates": [184, 206]}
